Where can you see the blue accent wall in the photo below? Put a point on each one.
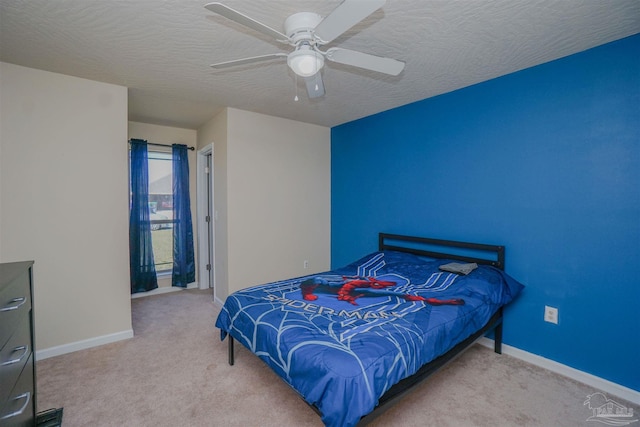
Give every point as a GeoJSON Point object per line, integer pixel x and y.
{"type": "Point", "coordinates": [545, 161]}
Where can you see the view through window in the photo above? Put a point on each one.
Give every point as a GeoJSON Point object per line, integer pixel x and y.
{"type": "Point", "coordinates": [161, 209]}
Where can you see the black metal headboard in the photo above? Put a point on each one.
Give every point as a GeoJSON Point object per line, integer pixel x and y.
{"type": "Point", "coordinates": [435, 248]}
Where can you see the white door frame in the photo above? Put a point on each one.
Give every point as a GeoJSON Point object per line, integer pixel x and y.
{"type": "Point", "coordinates": [202, 211]}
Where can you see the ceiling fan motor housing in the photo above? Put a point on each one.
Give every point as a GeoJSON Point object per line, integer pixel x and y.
{"type": "Point", "coordinates": [299, 26]}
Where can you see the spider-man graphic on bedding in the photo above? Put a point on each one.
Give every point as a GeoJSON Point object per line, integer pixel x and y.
{"type": "Point", "coordinates": [350, 288]}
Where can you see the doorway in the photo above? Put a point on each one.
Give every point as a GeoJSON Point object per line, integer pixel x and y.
{"type": "Point", "coordinates": [205, 218]}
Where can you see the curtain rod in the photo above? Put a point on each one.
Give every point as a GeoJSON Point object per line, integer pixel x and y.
{"type": "Point", "coordinates": [166, 145]}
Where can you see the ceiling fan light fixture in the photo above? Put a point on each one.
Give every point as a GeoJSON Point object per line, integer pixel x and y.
{"type": "Point", "coordinates": [305, 61]}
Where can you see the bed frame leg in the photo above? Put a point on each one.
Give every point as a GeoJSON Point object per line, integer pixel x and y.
{"type": "Point", "coordinates": [497, 335]}
{"type": "Point", "coordinates": [230, 350]}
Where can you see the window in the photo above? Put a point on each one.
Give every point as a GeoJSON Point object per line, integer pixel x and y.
{"type": "Point", "coordinates": [161, 209]}
{"type": "Point", "coordinates": [160, 227]}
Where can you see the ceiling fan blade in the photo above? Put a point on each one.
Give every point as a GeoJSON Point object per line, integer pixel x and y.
{"type": "Point", "coordinates": [364, 60]}
{"type": "Point", "coordinates": [243, 19]}
{"type": "Point", "coordinates": [315, 86]}
{"type": "Point", "coordinates": [227, 64]}
{"type": "Point", "coordinates": [345, 16]}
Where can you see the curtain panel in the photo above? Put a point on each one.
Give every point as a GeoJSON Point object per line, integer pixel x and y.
{"type": "Point", "coordinates": [141, 262]}
{"type": "Point", "coordinates": [184, 269]}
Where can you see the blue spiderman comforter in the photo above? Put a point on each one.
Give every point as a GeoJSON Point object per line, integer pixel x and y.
{"type": "Point", "coordinates": [344, 337]}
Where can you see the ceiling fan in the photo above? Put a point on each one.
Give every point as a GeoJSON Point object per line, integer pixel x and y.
{"type": "Point", "coordinates": [307, 32]}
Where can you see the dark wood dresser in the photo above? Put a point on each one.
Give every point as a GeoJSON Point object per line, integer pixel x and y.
{"type": "Point", "coordinates": [17, 354]}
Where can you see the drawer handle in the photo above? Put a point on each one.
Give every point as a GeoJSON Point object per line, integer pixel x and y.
{"type": "Point", "coordinates": [25, 351]}
{"type": "Point", "coordinates": [27, 397]}
{"type": "Point", "coordinates": [9, 307]}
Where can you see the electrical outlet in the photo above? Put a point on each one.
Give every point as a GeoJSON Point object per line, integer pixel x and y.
{"type": "Point", "coordinates": [305, 264]}
{"type": "Point", "coordinates": [550, 314]}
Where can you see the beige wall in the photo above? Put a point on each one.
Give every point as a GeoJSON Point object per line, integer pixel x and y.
{"type": "Point", "coordinates": [279, 187]}
{"type": "Point", "coordinates": [172, 135]}
{"type": "Point", "coordinates": [215, 132]}
{"type": "Point", "coordinates": [64, 199]}
{"type": "Point", "coordinates": [64, 203]}
{"type": "Point", "coordinates": [278, 200]}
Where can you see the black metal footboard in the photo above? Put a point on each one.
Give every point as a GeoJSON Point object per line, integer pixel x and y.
{"type": "Point", "coordinates": [406, 385]}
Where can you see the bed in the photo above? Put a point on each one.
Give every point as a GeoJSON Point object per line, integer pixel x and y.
{"type": "Point", "coordinates": [353, 340]}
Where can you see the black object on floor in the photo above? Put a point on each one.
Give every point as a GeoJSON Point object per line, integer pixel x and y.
{"type": "Point", "coordinates": [49, 418]}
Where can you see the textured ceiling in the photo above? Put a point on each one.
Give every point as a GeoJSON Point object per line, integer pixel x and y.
{"type": "Point", "coordinates": [161, 50]}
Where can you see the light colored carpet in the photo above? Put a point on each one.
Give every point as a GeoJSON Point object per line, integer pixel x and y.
{"type": "Point", "coordinates": [174, 372]}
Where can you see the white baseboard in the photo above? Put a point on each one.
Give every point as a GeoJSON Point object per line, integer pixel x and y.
{"type": "Point", "coordinates": [598, 383]}
{"type": "Point", "coordinates": [163, 290]}
{"type": "Point", "coordinates": [218, 301]}
{"type": "Point", "coordinates": [81, 345]}
{"type": "Point", "coordinates": [104, 339]}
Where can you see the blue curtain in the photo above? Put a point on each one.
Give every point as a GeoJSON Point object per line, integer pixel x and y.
{"type": "Point", "coordinates": [141, 263]}
{"type": "Point", "coordinates": [184, 269]}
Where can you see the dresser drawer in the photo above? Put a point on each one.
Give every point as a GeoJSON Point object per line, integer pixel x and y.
{"type": "Point", "coordinates": [15, 303]}
{"type": "Point", "coordinates": [19, 409]}
{"type": "Point", "coordinates": [13, 357]}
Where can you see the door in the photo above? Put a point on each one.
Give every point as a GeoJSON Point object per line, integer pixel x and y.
{"type": "Point", "coordinates": [209, 217]}
{"type": "Point", "coordinates": [206, 218]}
